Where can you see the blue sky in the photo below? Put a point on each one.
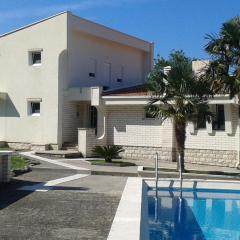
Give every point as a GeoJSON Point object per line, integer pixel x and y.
{"type": "Point", "coordinates": [170, 24]}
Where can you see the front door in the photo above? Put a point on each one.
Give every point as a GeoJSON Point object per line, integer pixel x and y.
{"type": "Point", "coordinates": [93, 118]}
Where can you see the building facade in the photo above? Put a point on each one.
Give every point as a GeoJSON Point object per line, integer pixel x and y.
{"type": "Point", "coordinates": [66, 80]}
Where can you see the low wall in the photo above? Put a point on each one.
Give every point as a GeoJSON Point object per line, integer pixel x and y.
{"type": "Point", "coordinates": [211, 157]}
{"type": "Point", "coordinates": [28, 146]}
{"type": "Point", "coordinates": [147, 153]}
{"type": "Point", "coordinates": [87, 140]}
{"type": "Point", "coordinates": [224, 158]}
{"type": "Point", "coordinates": [5, 167]}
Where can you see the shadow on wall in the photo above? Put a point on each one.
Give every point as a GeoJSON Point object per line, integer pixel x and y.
{"type": "Point", "coordinates": [128, 118]}
{"type": "Point", "coordinates": [66, 125]}
{"type": "Point", "coordinates": [7, 108]}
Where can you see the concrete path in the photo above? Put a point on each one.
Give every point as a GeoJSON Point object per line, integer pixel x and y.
{"type": "Point", "coordinates": [81, 165]}
{"type": "Point", "coordinates": [82, 208]}
{"type": "Point", "coordinates": [44, 187]}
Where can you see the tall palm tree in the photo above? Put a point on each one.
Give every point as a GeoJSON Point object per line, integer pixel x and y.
{"type": "Point", "coordinates": [177, 94]}
{"type": "Point", "coordinates": [224, 48]}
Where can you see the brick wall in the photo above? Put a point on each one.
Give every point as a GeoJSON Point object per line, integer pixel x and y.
{"type": "Point", "coordinates": [219, 140]}
{"type": "Point", "coordinates": [127, 126]}
{"type": "Point", "coordinates": [142, 138]}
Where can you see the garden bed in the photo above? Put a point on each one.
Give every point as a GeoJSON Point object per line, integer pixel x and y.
{"type": "Point", "coordinates": [113, 163]}
{"type": "Point", "coordinates": [20, 165]}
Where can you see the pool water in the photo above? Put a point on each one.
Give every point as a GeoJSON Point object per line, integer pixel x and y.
{"type": "Point", "coordinates": [196, 216]}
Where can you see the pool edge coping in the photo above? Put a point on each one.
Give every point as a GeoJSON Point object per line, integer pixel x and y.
{"type": "Point", "coordinates": [130, 215]}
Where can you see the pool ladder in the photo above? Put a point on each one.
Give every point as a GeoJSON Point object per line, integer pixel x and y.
{"type": "Point", "coordinates": [156, 187]}
{"type": "Point", "coordinates": [156, 175]}
{"type": "Point", "coordinates": [180, 174]}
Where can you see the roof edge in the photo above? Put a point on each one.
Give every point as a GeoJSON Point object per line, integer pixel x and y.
{"type": "Point", "coordinates": [34, 23]}
{"type": "Point", "coordinates": [112, 29]}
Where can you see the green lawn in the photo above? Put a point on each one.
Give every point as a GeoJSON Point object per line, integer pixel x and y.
{"type": "Point", "coordinates": [18, 163]}
{"type": "Point", "coordinates": [113, 163]}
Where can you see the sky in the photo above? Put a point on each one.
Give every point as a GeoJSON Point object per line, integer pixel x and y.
{"type": "Point", "coordinates": [170, 24]}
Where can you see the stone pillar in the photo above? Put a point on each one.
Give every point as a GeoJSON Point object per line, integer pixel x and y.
{"type": "Point", "coordinates": [87, 140]}
{"type": "Point", "coordinates": [5, 167]}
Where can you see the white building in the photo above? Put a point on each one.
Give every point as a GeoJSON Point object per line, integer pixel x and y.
{"type": "Point", "coordinates": [68, 80]}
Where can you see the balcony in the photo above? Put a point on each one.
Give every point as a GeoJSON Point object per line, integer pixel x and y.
{"type": "Point", "coordinates": [92, 94]}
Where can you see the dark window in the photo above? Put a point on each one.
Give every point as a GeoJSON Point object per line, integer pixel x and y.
{"type": "Point", "coordinates": [150, 113]}
{"type": "Point", "coordinates": [36, 58]}
{"type": "Point", "coordinates": [93, 118]}
{"type": "Point", "coordinates": [91, 74]}
{"type": "Point", "coordinates": [201, 123]}
{"type": "Point", "coordinates": [35, 108]}
{"type": "Point", "coordinates": [119, 80]}
{"type": "Point", "coordinates": [219, 118]}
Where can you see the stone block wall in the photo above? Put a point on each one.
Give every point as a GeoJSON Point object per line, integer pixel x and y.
{"type": "Point", "coordinates": [19, 145]}
{"type": "Point", "coordinates": [147, 153]}
{"type": "Point", "coordinates": [28, 146]}
{"type": "Point", "coordinates": [196, 156]}
{"type": "Point", "coordinates": [225, 158]}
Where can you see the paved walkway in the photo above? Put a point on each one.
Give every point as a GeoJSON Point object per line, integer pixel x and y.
{"type": "Point", "coordinates": [81, 208]}
{"type": "Point", "coordinates": [81, 165]}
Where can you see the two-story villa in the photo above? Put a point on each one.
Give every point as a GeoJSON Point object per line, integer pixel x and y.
{"type": "Point", "coordinates": [68, 80]}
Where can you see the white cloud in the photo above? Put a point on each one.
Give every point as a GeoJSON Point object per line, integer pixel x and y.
{"type": "Point", "coordinates": [16, 14]}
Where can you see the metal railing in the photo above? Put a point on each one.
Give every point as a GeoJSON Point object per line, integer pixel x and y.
{"type": "Point", "coordinates": [156, 175]}
{"type": "Point", "coordinates": [156, 187]}
{"type": "Point", "coordinates": [180, 174]}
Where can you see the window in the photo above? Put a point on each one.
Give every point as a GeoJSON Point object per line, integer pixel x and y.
{"type": "Point", "coordinates": [34, 108]}
{"type": "Point", "coordinates": [120, 74]}
{"type": "Point", "coordinates": [201, 123]}
{"type": "Point", "coordinates": [35, 58]}
{"type": "Point", "coordinates": [92, 68]}
{"type": "Point", "coordinates": [150, 113]}
{"type": "Point", "coordinates": [93, 118]}
{"type": "Point", "coordinates": [219, 117]}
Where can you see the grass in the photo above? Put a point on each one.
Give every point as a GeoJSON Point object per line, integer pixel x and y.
{"type": "Point", "coordinates": [18, 163]}
{"type": "Point", "coordinates": [113, 163]}
{"type": "Point", "coordinates": [5, 149]}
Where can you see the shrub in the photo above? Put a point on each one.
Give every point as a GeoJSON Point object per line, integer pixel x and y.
{"type": "Point", "coordinates": [108, 152]}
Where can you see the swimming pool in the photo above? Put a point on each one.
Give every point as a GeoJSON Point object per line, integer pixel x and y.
{"type": "Point", "coordinates": [202, 214]}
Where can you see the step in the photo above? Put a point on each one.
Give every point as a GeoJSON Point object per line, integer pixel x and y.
{"type": "Point", "coordinates": [60, 154]}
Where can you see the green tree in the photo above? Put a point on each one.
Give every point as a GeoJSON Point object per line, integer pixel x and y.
{"type": "Point", "coordinates": [177, 94]}
{"type": "Point", "coordinates": [224, 49]}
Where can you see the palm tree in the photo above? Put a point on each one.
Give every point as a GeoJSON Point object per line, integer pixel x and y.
{"type": "Point", "coordinates": [224, 49]}
{"type": "Point", "coordinates": [108, 152]}
{"type": "Point", "coordinates": [177, 94]}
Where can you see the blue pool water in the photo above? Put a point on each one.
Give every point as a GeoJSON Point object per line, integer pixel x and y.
{"type": "Point", "coordinates": [204, 215]}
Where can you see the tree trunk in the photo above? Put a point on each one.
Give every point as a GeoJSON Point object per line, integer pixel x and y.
{"type": "Point", "coordinates": [180, 134]}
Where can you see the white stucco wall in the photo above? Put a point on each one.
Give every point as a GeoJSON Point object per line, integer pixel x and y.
{"type": "Point", "coordinates": [87, 44]}
{"type": "Point", "coordinates": [22, 81]}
